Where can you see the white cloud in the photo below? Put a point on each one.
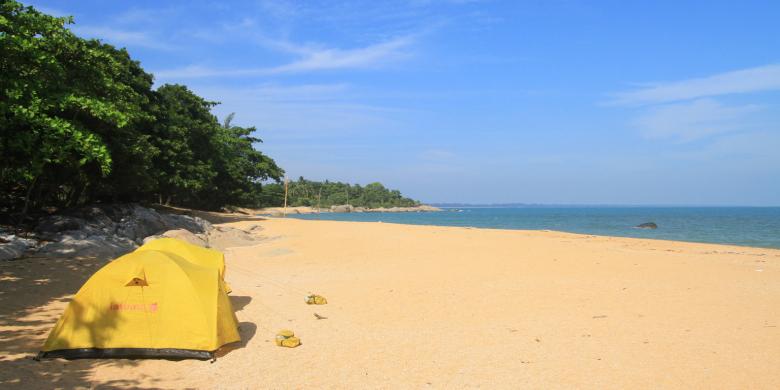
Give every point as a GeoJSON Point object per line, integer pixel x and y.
{"type": "Point", "coordinates": [311, 59]}
{"type": "Point", "coordinates": [368, 56]}
{"type": "Point", "coordinates": [121, 37]}
{"type": "Point", "coordinates": [330, 113]}
{"type": "Point", "coordinates": [762, 78]}
{"type": "Point", "coordinates": [693, 120]}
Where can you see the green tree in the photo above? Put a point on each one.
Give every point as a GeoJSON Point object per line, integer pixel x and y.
{"type": "Point", "coordinates": [60, 96]}
{"type": "Point", "coordinates": [79, 122]}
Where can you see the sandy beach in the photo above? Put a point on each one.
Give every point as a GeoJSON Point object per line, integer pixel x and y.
{"type": "Point", "coordinates": [443, 307]}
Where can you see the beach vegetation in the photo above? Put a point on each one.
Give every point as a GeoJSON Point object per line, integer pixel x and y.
{"type": "Point", "coordinates": [303, 192]}
{"type": "Point", "coordinates": [81, 122]}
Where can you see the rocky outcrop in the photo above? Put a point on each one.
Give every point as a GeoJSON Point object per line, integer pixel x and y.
{"type": "Point", "coordinates": [104, 231]}
{"type": "Point", "coordinates": [349, 209]}
{"type": "Point", "coordinates": [344, 208]}
{"type": "Point", "coordinates": [647, 225]}
{"type": "Point", "coordinates": [199, 239]}
{"type": "Point", "coordinates": [219, 237]}
{"type": "Point", "coordinates": [222, 237]}
{"type": "Point", "coordinates": [12, 246]}
{"type": "Point", "coordinates": [82, 244]}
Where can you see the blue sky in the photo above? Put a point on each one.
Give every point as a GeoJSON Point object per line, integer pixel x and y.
{"type": "Point", "coordinates": [483, 101]}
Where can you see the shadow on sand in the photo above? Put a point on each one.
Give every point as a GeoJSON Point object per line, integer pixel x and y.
{"type": "Point", "coordinates": [239, 302]}
{"type": "Point", "coordinates": [34, 292]}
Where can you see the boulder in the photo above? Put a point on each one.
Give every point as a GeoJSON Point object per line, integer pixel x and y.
{"type": "Point", "coordinates": [99, 246]}
{"type": "Point", "coordinates": [108, 231]}
{"type": "Point", "coordinates": [345, 208]}
{"type": "Point", "coordinates": [14, 247]}
{"type": "Point", "coordinates": [647, 225]}
{"type": "Point", "coordinates": [98, 219]}
{"type": "Point", "coordinates": [222, 237]}
{"type": "Point", "coordinates": [426, 208]}
{"type": "Point", "coordinates": [59, 223]}
{"type": "Point", "coordinates": [193, 224]}
{"type": "Point", "coordinates": [181, 234]}
{"type": "Point", "coordinates": [143, 222]}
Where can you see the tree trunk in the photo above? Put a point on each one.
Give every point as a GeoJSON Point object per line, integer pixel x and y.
{"type": "Point", "coordinates": [27, 196]}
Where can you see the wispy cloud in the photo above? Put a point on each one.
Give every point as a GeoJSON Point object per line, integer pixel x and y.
{"type": "Point", "coordinates": [694, 109]}
{"type": "Point", "coordinates": [689, 121]}
{"type": "Point", "coordinates": [122, 37]}
{"type": "Point", "coordinates": [311, 59]}
{"type": "Point", "coordinates": [368, 56]}
{"type": "Point", "coordinates": [762, 78]}
{"type": "Point", "coordinates": [330, 113]}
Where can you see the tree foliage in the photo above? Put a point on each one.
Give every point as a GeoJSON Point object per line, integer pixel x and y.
{"type": "Point", "coordinates": [80, 122]}
{"type": "Point", "coordinates": [325, 194]}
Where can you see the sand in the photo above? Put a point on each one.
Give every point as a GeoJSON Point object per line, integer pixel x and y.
{"type": "Point", "coordinates": [439, 307]}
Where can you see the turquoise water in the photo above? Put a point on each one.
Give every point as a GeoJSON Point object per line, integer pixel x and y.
{"type": "Point", "coordinates": [748, 226]}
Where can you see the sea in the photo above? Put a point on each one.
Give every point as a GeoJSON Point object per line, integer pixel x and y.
{"type": "Point", "coordinates": [745, 226]}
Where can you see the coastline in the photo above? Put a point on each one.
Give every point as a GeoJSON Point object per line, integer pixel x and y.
{"type": "Point", "coordinates": [466, 307]}
{"type": "Point", "coordinates": [742, 227]}
{"type": "Point", "coordinates": [292, 210]}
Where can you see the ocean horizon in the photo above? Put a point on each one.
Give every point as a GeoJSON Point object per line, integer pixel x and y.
{"type": "Point", "coordinates": [743, 226]}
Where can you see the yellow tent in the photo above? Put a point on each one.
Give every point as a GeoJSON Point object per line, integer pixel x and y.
{"type": "Point", "coordinates": [146, 304]}
{"type": "Point", "coordinates": [196, 254]}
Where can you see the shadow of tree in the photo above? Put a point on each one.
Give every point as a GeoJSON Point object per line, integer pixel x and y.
{"type": "Point", "coordinates": [33, 294]}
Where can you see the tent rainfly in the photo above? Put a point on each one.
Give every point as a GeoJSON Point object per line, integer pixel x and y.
{"type": "Point", "coordinates": [146, 304]}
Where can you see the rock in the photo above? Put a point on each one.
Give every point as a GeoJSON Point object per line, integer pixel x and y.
{"type": "Point", "coordinates": [182, 234]}
{"type": "Point", "coordinates": [144, 222]}
{"type": "Point", "coordinates": [222, 237]}
{"type": "Point", "coordinates": [14, 247]}
{"type": "Point", "coordinates": [98, 219]}
{"type": "Point", "coordinates": [426, 208]}
{"type": "Point", "coordinates": [345, 208]}
{"type": "Point", "coordinates": [140, 224]}
{"type": "Point", "coordinates": [59, 223]}
{"type": "Point", "coordinates": [108, 231]}
{"type": "Point", "coordinates": [100, 246]}
{"type": "Point", "coordinates": [193, 224]}
{"type": "Point", "coordinates": [647, 225]}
